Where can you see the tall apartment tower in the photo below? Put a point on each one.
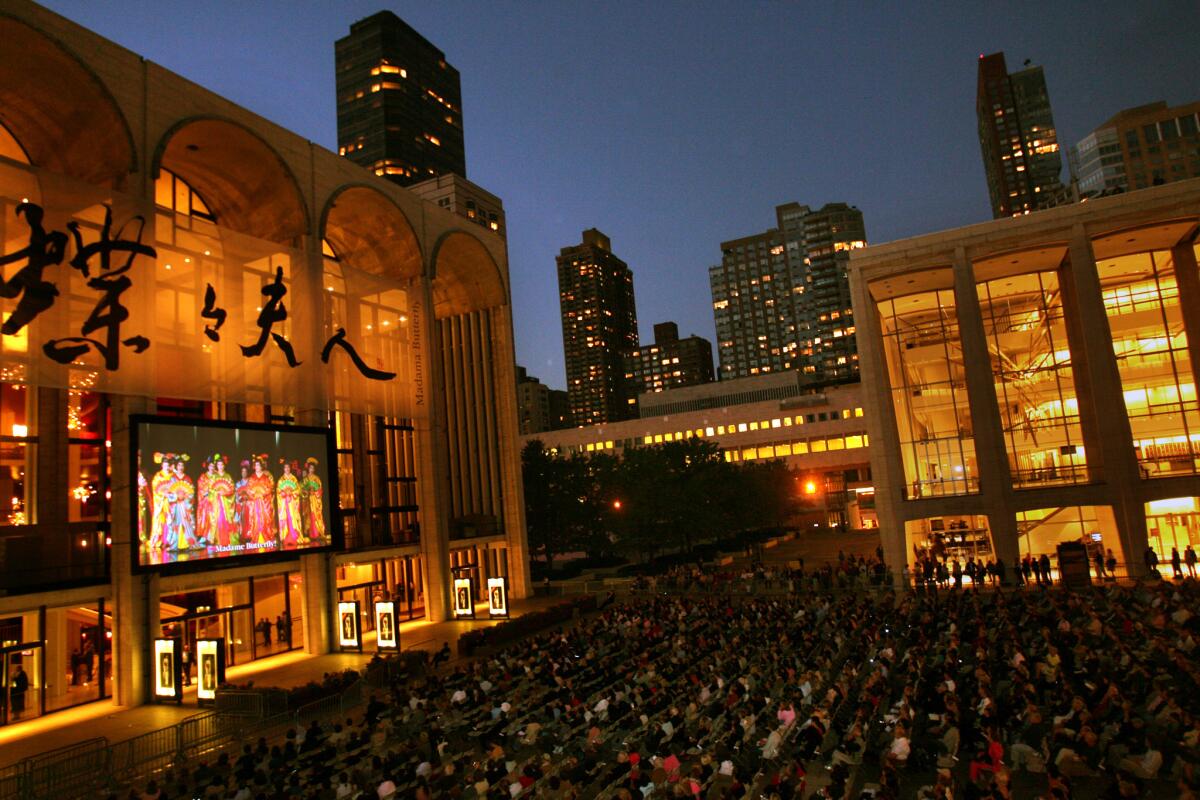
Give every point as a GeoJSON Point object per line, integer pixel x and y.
{"type": "Point", "coordinates": [1017, 137]}
{"type": "Point", "coordinates": [599, 324]}
{"type": "Point", "coordinates": [825, 342]}
{"type": "Point", "coordinates": [781, 298]}
{"type": "Point", "coordinates": [669, 363]}
{"type": "Point", "coordinates": [1139, 147]}
{"type": "Point", "coordinates": [399, 105]}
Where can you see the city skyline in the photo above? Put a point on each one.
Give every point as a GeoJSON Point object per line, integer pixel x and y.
{"type": "Point", "coordinates": [747, 121]}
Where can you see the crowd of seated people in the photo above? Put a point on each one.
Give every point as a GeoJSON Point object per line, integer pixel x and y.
{"type": "Point", "coordinates": [974, 694]}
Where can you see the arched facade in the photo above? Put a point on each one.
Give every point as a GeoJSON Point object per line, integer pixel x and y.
{"type": "Point", "coordinates": [63, 116]}
{"type": "Point", "coordinates": [220, 208]}
{"type": "Point", "coordinates": [247, 185]}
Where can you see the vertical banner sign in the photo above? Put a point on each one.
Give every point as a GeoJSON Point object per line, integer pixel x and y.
{"type": "Point", "coordinates": [386, 635]}
{"type": "Point", "coordinates": [210, 668]}
{"type": "Point", "coordinates": [168, 662]}
{"type": "Point", "coordinates": [347, 621]}
{"type": "Point", "coordinates": [464, 603]}
{"type": "Point", "coordinates": [497, 597]}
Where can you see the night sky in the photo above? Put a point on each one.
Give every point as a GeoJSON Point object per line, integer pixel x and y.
{"type": "Point", "coordinates": [672, 126]}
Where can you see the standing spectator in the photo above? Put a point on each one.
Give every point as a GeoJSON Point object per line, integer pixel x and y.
{"type": "Point", "coordinates": [1111, 563]}
{"type": "Point", "coordinates": [1045, 564]}
{"type": "Point", "coordinates": [1176, 564]}
{"type": "Point", "coordinates": [1151, 559]}
{"type": "Point", "coordinates": [20, 685]}
{"type": "Point", "coordinates": [1099, 559]}
{"type": "Point", "coordinates": [1189, 558]}
{"type": "Point", "coordinates": [280, 629]}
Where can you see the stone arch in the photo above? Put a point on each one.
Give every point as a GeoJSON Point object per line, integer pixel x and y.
{"type": "Point", "coordinates": [465, 276]}
{"type": "Point", "coordinates": [243, 180]}
{"type": "Point", "coordinates": [369, 232]}
{"type": "Point", "coordinates": [62, 115]}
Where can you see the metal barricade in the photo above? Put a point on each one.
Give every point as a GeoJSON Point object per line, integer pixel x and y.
{"type": "Point", "coordinates": [151, 751]}
{"type": "Point", "coordinates": [81, 767]}
{"type": "Point", "coordinates": [89, 767]}
{"type": "Point", "coordinates": [241, 703]}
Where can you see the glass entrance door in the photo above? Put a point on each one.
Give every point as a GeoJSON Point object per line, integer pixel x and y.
{"type": "Point", "coordinates": [20, 674]}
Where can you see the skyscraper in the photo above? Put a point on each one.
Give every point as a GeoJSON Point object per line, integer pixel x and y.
{"type": "Point", "coordinates": [1017, 137]}
{"type": "Point", "coordinates": [599, 324]}
{"type": "Point", "coordinates": [669, 363]}
{"type": "Point", "coordinates": [533, 403]}
{"type": "Point", "coordinates": [399, 106]}
{"type": "Point", "coordinates": [781, 297]}
{"type": "Point", "coordinates": [1139, 147]}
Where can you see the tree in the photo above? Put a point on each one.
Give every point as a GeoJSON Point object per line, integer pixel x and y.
{"type": "Point", "coordinates": [673, 496]}
{"type": "Point", "coordinates": [539, 470]}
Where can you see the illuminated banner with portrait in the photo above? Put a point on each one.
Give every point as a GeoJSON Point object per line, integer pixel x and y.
{"type": "Point", "coordinates": [464, 600]}
{"type": "Point", "coordinates": [212, 491]}
{"type": "Point", "coordinates": [168, 672]}
{"type": "Point", "coordinates": [210, 668]}
{"type": "Point", "coordinates": [348, 628]}
{"type": "Point", "coordinates": [158, 298]}
{"type": "Point", "coordinates": [387, 636]}
{"type": "Point", "coordinates": [497, 597]}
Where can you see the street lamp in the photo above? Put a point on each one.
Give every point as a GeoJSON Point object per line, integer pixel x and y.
{"type": "Point", "coordinates": [616, 504]}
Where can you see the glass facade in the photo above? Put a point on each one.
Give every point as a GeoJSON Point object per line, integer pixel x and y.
{"type": "Point", "coordinates": [1031, 367]}
{"type": "Point", "coordinates": [947, 538]}
{"type": "Point", "coordinates": [928, 382]}
{"type": "Point", "coordinates": [18, 449]}
{"type": "Point", "coordinates": [401, 580]}
{"type": "Point", "coordinates": [1040, 531]}
{"type": "Point", "coordinates": [53, 658]}
{"type": "Point", "coordinates": [1141, 299]}
{"type": "Point", "coordinates": [257, 617]}
{"type": "Point", "coordinates": [1173, 522]}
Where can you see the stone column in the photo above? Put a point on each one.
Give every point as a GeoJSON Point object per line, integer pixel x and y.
{"type": "Point", "coordinates": [320, 591]}
{"type": "Point", "coordinates": [991, 454]}
{"type": "Point", "coordinates": [1116, 436]}
{"type": "Point", "coordinates": [135, 597]}
{"type": "Point", "coordinates": [316, 568]}
{"type": "Point", "coordinates": [1089, 414]}
{"type": "Point", "coordinates": [429, 423]}
{"type": "Point", "coordinates": [58, 657]}
{"type": "Point", "coordinates": [1188, 281]}
{"type": "Point", "coordinates": [508, 428]}
{"type": "Point", "coordinates": [887, 465]}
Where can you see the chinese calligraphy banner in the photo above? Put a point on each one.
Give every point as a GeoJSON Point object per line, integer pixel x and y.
{"type": "Point", "coordinates": [121, 295]}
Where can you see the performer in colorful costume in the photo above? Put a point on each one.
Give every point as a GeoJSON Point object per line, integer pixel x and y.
{"type": "Point", "coordinates": [260, 504]}
{"type": "Point", "coordinates": [222, 511]}
{"type": "Point", "coordinates": [288, 492]}
{"type": "Point", "coordinates": [312, 504]}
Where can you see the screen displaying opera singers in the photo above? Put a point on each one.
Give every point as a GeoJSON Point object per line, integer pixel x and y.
{"type": "Point", "coordinates": [196, 502]}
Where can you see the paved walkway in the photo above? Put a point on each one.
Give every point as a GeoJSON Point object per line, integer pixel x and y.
{"type": "Point", "coordinates": [816, 548]}
{"type": "Point", "coordinates": [116, 723]}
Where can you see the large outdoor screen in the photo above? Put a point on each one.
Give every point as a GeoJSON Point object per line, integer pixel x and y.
{"type": "Point", "coordinates": [207, 491]}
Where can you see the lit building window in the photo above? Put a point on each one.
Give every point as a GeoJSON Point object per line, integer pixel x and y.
{"type": "Point", "coordinates": [925, 361]}
{"type": "Point", "coordinates": [1031, 367]}
{"type": "Point", "coordinates": [1141, 300]}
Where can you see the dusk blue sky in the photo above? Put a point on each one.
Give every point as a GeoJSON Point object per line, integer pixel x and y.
{"type": "Point", "coordinates": [673, 126]}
